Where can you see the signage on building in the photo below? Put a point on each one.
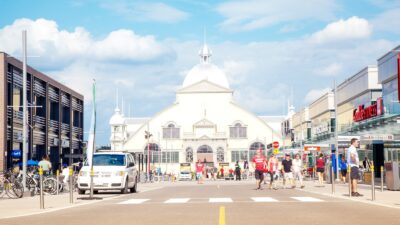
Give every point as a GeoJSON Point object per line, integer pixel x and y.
{"type": "Point", "coordinates": [312, 148]}
{"type": "Point", "coordinates": [380, 137]}
{"type": "Point", "coordinates": [224, 164]}
{"type": "Point", "coordinates": [371, 111]}
{"type": "Point", "coordinates": [16, 153]}
{"type": "Point", "coordinates": [323, 128]}
{"type": "Point", "coordinates": [398, 76]}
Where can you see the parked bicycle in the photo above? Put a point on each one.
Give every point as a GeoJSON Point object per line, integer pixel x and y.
{"type": "Point", "coordinates": [33, 183]}
{"type": "Point", "coordinates": [10, 185]}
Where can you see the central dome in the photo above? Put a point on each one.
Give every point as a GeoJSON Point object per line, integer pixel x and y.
{"type": "Point", "coordinates": [205, 71]}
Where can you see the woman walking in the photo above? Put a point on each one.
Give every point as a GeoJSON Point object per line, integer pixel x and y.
{"type": "Point", "coordinates": [320, 170]}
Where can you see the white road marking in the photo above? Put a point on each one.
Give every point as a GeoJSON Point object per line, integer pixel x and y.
{"type": "Point", "coordinates": [134, 201]}
{"type": "Point", "coordinates": [307, 199]}
{"type": "Point", "coordinates": [264, 199]}
{"type": "Point", "coordinates": [215, 200]}
{"type": "Point", "coordinates": [177, 200]}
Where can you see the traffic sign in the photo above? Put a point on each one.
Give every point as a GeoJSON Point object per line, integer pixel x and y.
{"type": "Point", "coordinates": [276, 151]}
{"type": "Point", "coordinates": [275, 144]}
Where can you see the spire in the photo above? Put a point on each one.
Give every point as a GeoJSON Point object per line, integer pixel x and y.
{"type": "Point", "coordinates": [205, 53]}
{"type": "Point", "coordinates": [122, 105]}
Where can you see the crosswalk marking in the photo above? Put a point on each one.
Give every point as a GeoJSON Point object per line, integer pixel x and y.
{"type": "Point", "coordinates": [264, 199]}
{"type": "Point", "coordinates": [307, 199]}
{"type": "Point", "coordinates": [214, 200]}
{"type": "Point", "coordinates": [177, 200]}
{"type": "Point", "coordinates": [134, 201]}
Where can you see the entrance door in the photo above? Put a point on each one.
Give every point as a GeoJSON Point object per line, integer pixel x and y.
{"type": "Point", "coordinates": [378, 157]}
{"type": "Point", "coordinates": [205, 154]}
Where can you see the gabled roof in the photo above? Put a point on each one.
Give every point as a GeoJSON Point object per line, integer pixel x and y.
{"type": "Point", "coordinates": [204, 86]}
{"type": "Point", "coordinates": [204, 123]}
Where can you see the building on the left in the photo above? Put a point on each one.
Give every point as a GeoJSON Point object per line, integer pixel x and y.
{"type": "Point", "coordinates": [55, 117]}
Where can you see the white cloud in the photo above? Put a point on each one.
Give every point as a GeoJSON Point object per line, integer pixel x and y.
{"type": "Point", "coordinates": [256, 14]}
{"type": "Point", "coordinates": [314, 94]}
{"type": "Point", "coordinates": [388, 21]}
{"type": "Point", "coordinates": [147, 11]}
{"type": "Point", "coordinates": [333, 69]}
{"type": "Point", "coordinates": [236, 71]}
{"type": "Point", "coordinates": [57, 47]}
{"type": "Point", "coordinates": [351, 29]}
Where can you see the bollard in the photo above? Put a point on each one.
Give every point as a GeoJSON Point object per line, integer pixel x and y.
{"type": "Point", "coordinates": [58, 178]}
{"type": "Point", "coordinates": [71, 188]}
{"type": "Point", "coordinates": [333, 181]}
{"type": "Point", "coordinates": [373, 182]}
{"type": "Point", "coordinates": [381, 178]}
{"type": "Point", "coordinates": [349, 172]}
{"type": "Point", "coordinates": [41, 187]}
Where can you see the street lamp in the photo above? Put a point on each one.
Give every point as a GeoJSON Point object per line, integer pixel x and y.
{"type": "Point", "coordinates": [147, 135]}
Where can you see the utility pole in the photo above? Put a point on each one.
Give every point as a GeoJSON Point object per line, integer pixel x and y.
{"type": "Point", "coordinates": [24, 111]}
{"type": "Point", "coordinates": [336, 130]}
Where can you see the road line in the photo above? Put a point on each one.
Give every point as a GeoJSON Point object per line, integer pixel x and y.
{"type": "Point", "coordinates": [264, 199]}
{"type": "Point", "coordinates": [222, 215]}
{"type": "Point", "coordinates": [177, 200]}
{"type": "Point", "coordinates": [134, 201]}
{"type": "Point", "coordinates": [307, 199]}
{"type": "Point", "coordinates": [216, 200]}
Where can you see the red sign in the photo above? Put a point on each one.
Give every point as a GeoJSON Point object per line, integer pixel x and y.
{"type": "Point", "coordinates": [275, 144]}
{"type": "Point", "coordinates": [312, 148]}
{"type": "Point", "coordinates": [362, 113]}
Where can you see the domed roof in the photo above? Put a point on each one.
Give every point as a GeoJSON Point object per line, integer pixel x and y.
{"type": "Point", "coordinates": [205, 71]}
{"type": "Point", "coordinates": [117, 118]}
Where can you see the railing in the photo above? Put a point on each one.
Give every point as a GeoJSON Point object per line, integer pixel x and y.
{"type": "Point", "coordinates": [40, 122]}
{"type": "Point", "coordinates": [18, 116]}
{"type": "Point", "coordinates": [53, 95]}
{"type": "Point", "coordinates": [38, 88]}
{"type": "Point", "coordinates": [65, 100]}
{"type": "Point", "coordinates": [53, 125]}
{"type": "Point", "coordinates": [65, 128]}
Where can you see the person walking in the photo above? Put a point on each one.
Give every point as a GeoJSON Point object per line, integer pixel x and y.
{"type": "Point", "coordinates": [298, 170]}
{"type": "Point", "coordinates": [273, 171]}
{"type": "Point", "coordinates": [45, 164]}
{"type": "Point", "coordinates": [259, 162]}
{"type": "Point", "coordinates": [353, 161]}
{"type": "Point", "coordinates": [320, 164]}
{"type": "Point", "coordinates": [287, 171]}
{"type": "Point", "coordinates": [199, 171]}
{"type": "Point", "coordinates": [367, 164]}
{"type": "Point", "coordinates": [343, 169]}
{"type": "Point", "coordinates": [237, 170]}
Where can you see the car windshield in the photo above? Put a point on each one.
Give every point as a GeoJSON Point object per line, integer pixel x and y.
{"type": "Point", "coordinates": [108, 160]}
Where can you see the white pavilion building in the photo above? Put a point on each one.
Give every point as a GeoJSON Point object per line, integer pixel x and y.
{"type": "Point", "coordinates": [204, 123]}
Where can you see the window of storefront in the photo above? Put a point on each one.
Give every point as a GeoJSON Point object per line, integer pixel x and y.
{"type": "Point", "coordinates": [239, 155]}
{"type": "Point", "coordinates": [390, 97]}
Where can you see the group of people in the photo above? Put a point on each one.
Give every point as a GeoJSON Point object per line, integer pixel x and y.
{"type": "Point", "coordinates": [289, 169]}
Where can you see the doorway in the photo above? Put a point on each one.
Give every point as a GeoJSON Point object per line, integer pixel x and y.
{"type": "Point", "coordinates": [378, 157]}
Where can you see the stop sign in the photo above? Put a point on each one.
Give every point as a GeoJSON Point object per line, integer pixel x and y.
{"type": "Point", "coordinates": [275, 144]}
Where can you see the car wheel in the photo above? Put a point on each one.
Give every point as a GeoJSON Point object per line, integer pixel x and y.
{"type": "Point", "coordinates": [125, 189]}
{"type": "Point", "coordinates": [134, 188]}
{"type": "Point", "coordinates": [81, 192]}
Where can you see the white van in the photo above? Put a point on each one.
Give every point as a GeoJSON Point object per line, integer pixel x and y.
{"type": "Point", "coordinates": [112, 171]}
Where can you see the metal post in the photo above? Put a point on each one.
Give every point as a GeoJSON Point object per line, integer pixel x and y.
{"type": "Point", "coordinates": [41, 188]}
{"type": "Point", "coordinates": [91, 181]}
{"type": "Point", "coordinates": [24, 112]}
{"type": "Point", "coordinates": [336, 131]}
{"type": "Point", "coordinates": [333, 181]}
{"type": "Point", "coordinates": [373, 182]}
{"type": "Point", "coordinates": [58, 178]}
{"type": "Point", "coordinates": [71, 188]}
{"type": "Point", "coordinates": [349, 173]}
{"type": "Point", "coordinates": [381, 178]}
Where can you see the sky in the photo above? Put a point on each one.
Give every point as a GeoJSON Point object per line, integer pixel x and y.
{"type": "Point", "coordinates": [272, 51]}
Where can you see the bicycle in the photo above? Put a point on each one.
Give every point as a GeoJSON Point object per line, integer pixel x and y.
{"type": "Point", "coordinates": [33, 183]}
{"type": "Point", "coordinates": [10, 185]}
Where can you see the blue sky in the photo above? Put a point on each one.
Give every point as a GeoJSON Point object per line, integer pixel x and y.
{"type": "Point", "coordinates": [145, 48]}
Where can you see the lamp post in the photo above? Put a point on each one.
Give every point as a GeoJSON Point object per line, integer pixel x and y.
{"type": "Point", "coordinates": [147, 136]}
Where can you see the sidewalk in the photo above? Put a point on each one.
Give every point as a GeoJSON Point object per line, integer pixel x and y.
{"type": "Point", "coordinates": [31, 205]}
{"type": "Point", "coordinates": [386, 198]}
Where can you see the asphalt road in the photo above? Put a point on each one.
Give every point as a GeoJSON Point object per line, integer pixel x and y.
{"type": "Point", "coordinates": [218, 204]}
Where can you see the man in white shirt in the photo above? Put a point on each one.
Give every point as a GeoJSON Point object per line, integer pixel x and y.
{"type": "Point", "coordinates": [353, 162]}
{"type": "Point", "coordinates": [298, 170]}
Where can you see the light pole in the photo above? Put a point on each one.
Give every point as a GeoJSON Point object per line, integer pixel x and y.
{"type": "Point", "coordinates": [147, 135]}
{"type": "Point", "coordinates": [24, 117]}
{"type": "Point", "coordinates": [336, 130]}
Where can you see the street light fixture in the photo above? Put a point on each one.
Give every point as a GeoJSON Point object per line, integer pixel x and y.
{"type": "Point", "coordinates": [147, 135]}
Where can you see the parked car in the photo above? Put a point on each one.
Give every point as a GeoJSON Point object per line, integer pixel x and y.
{"type": "Point", "coordinates": [185, 175]}
{"type": "Point", "coordinates": [112, 171]}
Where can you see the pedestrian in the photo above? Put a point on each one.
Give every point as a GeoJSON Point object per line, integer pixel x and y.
{"type": "Point", "coordinates": [353, 162]}
{"type": "Point", "coordinates": [273, 171]}
{"type": "Point", "coordinates": [298, 170]}
{"type": "Point", "coordinates": [208, 169]}
{"type": "Point", "coordinates": [237, 170]}
{"type": "Point", "coordinates": [287, 171]}
{"type": "Point", "coordinates": [221, 171]}
{"type": "Point", "coordinates": [343, 169]}
{"type": "Point", "coordinates": [320, 164]}
{"type": "Point", "coordinates": [199, 172]}
{"type": "Point", "coordinates": [367, 164]}
{"type": "Point", "coordinates": [259, 165]}
{"type": "Point", "coordinates": [45, 164]}
{"type": "Point", "coordinates": [246, 169]}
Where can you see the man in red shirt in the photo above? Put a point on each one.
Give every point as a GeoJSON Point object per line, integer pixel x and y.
{"type": "Point", "coordinates": [259, 163]}
{"type": "Point", "coordinates": [199, 172]}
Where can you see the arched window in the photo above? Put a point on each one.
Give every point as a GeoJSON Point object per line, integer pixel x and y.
{"type": "Point", "coordinates": [171, 131]}
{"type": "Point", "coordinates": [238, 131]}
{"type": "Point", "coordinates": [254, 147]}
{"type": "Point", "coordinates": [204, 149]}
{"type": "Point", "coordinates": [220, 155]}
{"type": "Point", "coordinates": [189, 155]}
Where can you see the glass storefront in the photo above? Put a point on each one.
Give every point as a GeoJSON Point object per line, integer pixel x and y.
{"type": "Point", "coordinates": [390, 98]}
